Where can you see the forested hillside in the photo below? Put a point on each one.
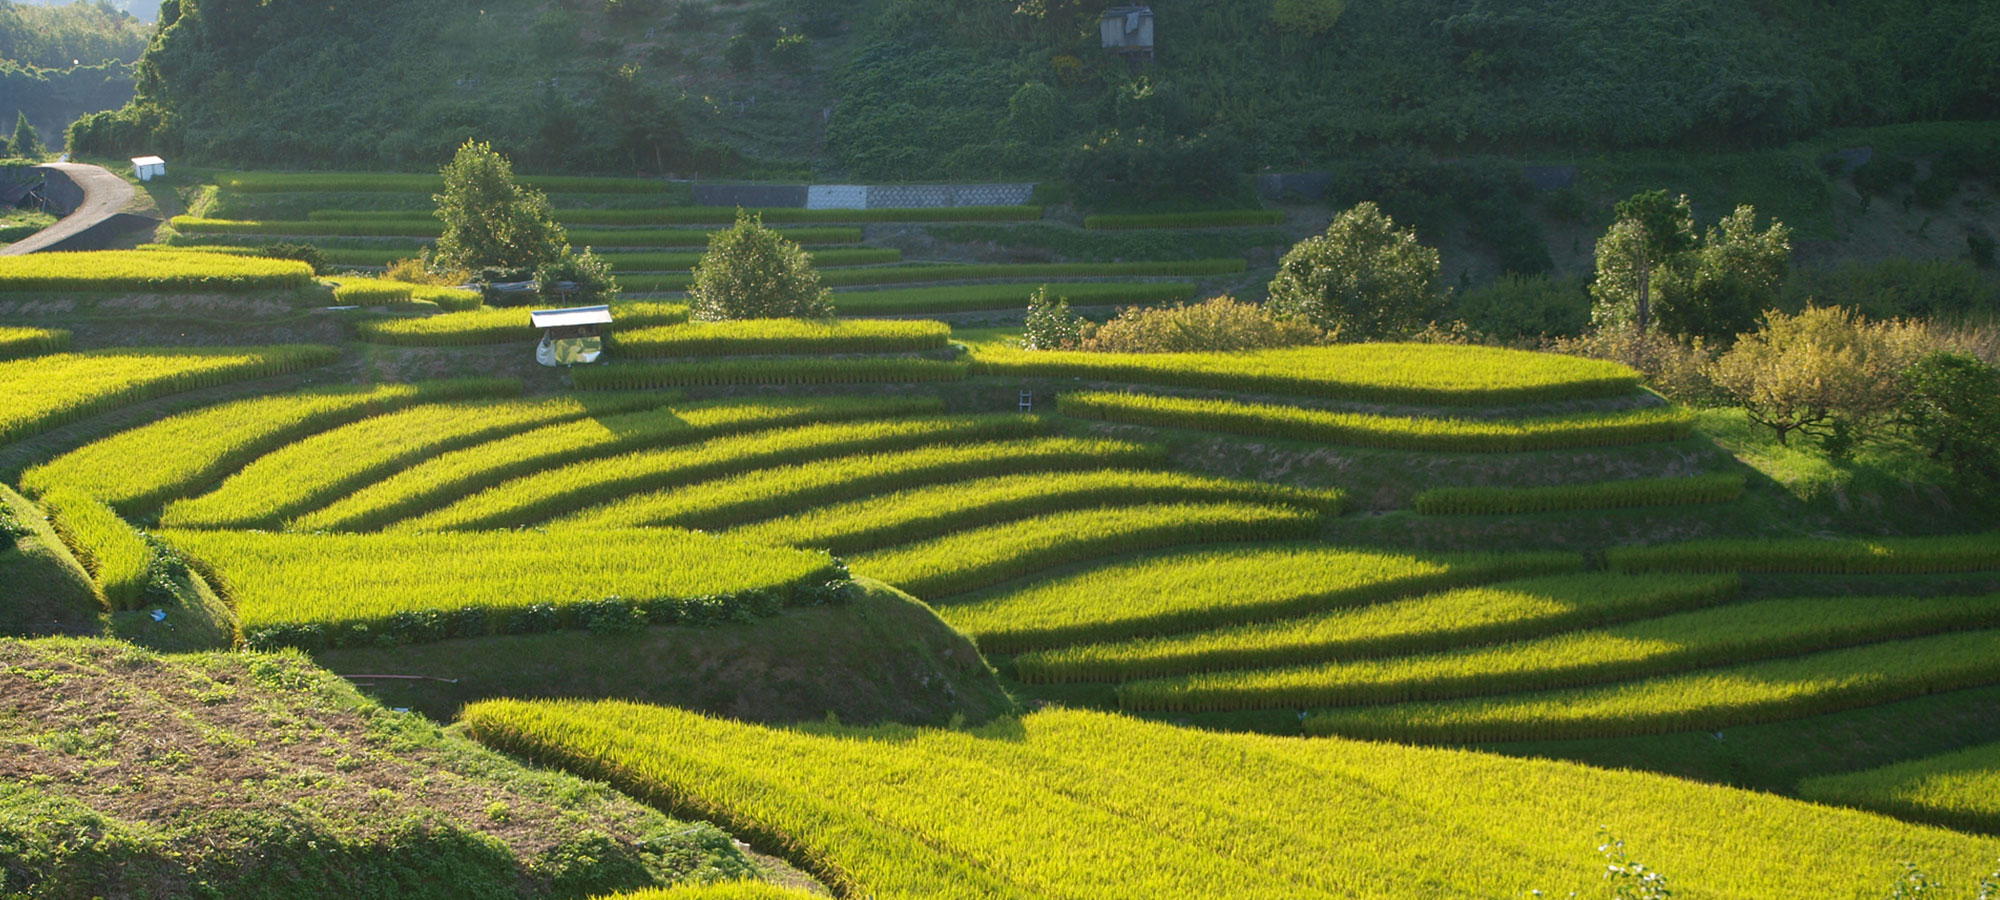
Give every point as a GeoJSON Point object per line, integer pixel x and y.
{"type": "Point", "coordinates": [975, 88]}
{"type": "Point", "coordinates": [61, 62]}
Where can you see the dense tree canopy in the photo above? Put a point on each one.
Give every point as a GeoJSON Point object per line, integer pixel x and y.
{"type": "Point", "coordinates": [1364, 279]}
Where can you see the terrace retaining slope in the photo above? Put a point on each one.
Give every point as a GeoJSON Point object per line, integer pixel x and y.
{"type": "Point", "coordinates": [97, 209]}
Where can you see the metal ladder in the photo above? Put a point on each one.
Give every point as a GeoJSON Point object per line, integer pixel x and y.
{"type": "Point", "coordinates": [1027, 401]}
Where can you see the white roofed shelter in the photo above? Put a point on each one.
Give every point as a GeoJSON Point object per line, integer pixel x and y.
{"type": "Point", "coordinates": [570, 336]}
{"type": "Point", "coordinates": [146, 168]}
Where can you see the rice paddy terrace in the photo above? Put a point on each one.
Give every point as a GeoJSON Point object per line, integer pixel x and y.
{"type": "Point", "coordinates": [1282, 623]}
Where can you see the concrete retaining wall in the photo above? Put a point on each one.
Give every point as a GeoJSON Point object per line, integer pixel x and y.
{"type": "Point", "coordinates": [860, 196]}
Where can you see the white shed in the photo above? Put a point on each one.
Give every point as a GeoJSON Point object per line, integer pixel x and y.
{"type": "Point", "coordinates": [1128, 31]}
{"type": "Point", "coordinates": [570, 336]}
{"type": "Point", "coordinates": [148, 167]}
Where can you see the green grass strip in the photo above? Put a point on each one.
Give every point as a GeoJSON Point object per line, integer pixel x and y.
{"type": "Point", "coordinates": [926, 512]}
{"type": "Point", "coordinates": [551, 493]}
{"type": "Point", "coordinates": [1458, 617]}
{"type": "Point", "coordinates": [1429, 374]}
{"type": "Point", "coordinates": [1857, 556]}
{"type": "Point", "coordinates": [1650, 647]}
{"type": "Point", "coordinates": [982, 297]}
{"type": "Point", "coordinates": [450, 476]}
{"type": "Point", "coordinates": [982, 557]}
{"type": "Point", "coordinates": [1957, 790]}
{"type": "Point", "coordinates": [774, 491]}
{"type": "Point", "coordinates": [117, 557]}
{"type": "Point", "coordinates": [752, 337]}
{"type": "Point", "coordinates": [501, 325]}
{"type": "Point", "coordinates": [319, 469]}
{"type": "Point", "coordinates": [1704, 700]}
{"type": "Point", "coordinates": [1205, 589]}
{"type": "Point", "coordinates": [766, 371]}
{"type": "Point", "coordinates": [1626, 494]}
{"type": "Point", "coordinates": [43, 392]}
{"type": "Point", "coordinates": [19, 342]}
{"type": "Point", "coordinates": [1226, 218]}
{"type": "Point", "coordinates": [1631, 426]}
{"type": "Point", "coordinates": [138, 470]}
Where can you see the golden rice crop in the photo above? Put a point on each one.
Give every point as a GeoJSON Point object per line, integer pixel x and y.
{"type": "Point", "coordinates": [1447, 374]}
{"type": "Point", "coordinates": [43, 392]}
{"type": "Point", "coordinates": [1452, 435]}
{"type": "Point", "coordinates": [749, 337]}
{"type": "Point", "coordinates": [162, 270]}
{"type": "Point", "coordinates": [1957, 790]}
{"type": "Point", "coordinates": [316, 470]}
{"type": "Point", "coordinates": [1649, 647]}
{"type": "Point", "coordinates": [977, 297]}
{"type": "Point", "coordinates": [1625, 494]}
{"type": "Point", "coordinates": [924, 512]}
{"type": "Point", "coordinates": [645, 376]}
{"type": "Point", "coordinates": [117, 558]}
{"type": "Point", "coordinates": [441, 479]}
{"type": "Point", "coordinates": [501, 325]}
{"type": "Point", "coordinates": [723, 890]}
{"type": "Point", "coordinates": [352, 291]}
{"type": "Point", "coordinates": [1071, 804]}
{"type": "Point", "coordinates": [969, 560]}
{"type": "Point", "coordinates": [1704, 700]}
{"type": "Point", "coordinates": [137, 470]}
{"type": "Point", "coordinates": [1855, 556]}
{"type": "Point", "coordinates": [338, 581]}
{"type": "Point", "coordinates": [18, 342]}
{"type": "Point", "coordinates": [1459, 617]}
{"type": "Point", "coordinates": [550, 493]}
{"type": "Point", "coordinates": [1198, 589]}
{"type": "Point", "coordinates": [773, 491]}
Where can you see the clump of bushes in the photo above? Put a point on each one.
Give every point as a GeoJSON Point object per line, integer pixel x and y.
{"type": "Point", "coordinates": [1218, 324]}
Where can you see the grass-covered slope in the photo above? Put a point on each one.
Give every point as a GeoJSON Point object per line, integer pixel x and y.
{"type": "Point", "coordinates": [43, 590]}
{"type": "Point", "coordinates": [260, 776]}
{"type": "Point", "coordinates": [1074, 804]}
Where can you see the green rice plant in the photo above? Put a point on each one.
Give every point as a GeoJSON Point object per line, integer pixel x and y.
{"type": "Point", "coordinates": [1626, 494]}
{"type": "Point", "coordinates": [942, 272]}
{"type": "Point", "coordinates": [138, 470]}
{"type": "Point", "coordinates": [919, 513]}
{"type": "Point", "coordinates": [642, 261]}
{"type": "Point", "coordinates": [1429, 374]}
{"type": "Point", "coordinates": [1219, 218]}
{"type": "Point", "coordinates": [1195, 590]}
{"type": "Point", "coordinates": [449, 299]}
{"type": "Point", "coordinates": [128, 271]}
{"type": "Point", "coordinates": [698, 237]}
{"type": "Point", "coordinates": [979, 297]}
{"type": "Point", "coordinates": [1454, 435]}
{"type": "Point", "coordinates": [1703, 700]}
{"type": "Point", "coordinates": [774, 491]}
{"type": "Point", "coordinates": [317, 470]}
{"type": "Point", "coordinates": [724, 215]}
{"type": "Point", "coordinates": [18, 342]}
{"type": "Point", "coordinates": [417, 228]}
{"type": "Point", "coordinates": [1067, 803]}
{"type": "Point", "coordinates": [371, 292]}
{"type": "Point", "coordinates": [406, 183]}
{"type": "Point", "coordinates": [449, 476]}
{"type": "Point", "coordinates": [748, 337]}
{"type": "Point", "coordinates": [43, 392]}
{"type": "Point", "coordinates": [766, 371]}
{"type": "Point", "coordinates": [501, 325]}
{"type": "Point", "coordinates": [1855, 556]}
{"type": "Point", "coordinates": [550, 493]}
{"type": "Point", "coordinates": [366, 257]}
{"type": "Point", "coordinates": [969, 560]}
{"type": "Point", "coordinates": [341, 589]}
{"type": "Point", "coordinates": [1427, 622]}
{"type": "Point", "coordinates": [117, 558]}
{"type": "Point", "coordinates": [1957, 790]}
{"type": "Point", "coordinates": [1649, 647]}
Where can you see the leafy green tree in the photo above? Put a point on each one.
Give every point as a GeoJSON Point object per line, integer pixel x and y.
{"type": "Point", "coordinates": [27, 142]}
{"type": "Point", "coordinates": [753, 272]}
{"type": "Point", "coordinates": [1724, 283]}
{"type": "Point", "coordinates": [1651, 233]}
{"type": "Point", "coordinates": [1364, 279]}
{"type": "Point", "coordinates": [1951, 405]}
{"type": "Point", "coordinates": [1824, 372]}
{"type": "Point", "coordinates": [1050, 324]}
{"type": "Point", "coordinates": [588, 272]}
{"type": "Point", "coordinates": [490, 221]}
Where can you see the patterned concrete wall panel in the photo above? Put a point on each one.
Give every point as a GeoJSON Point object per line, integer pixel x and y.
{"type": "Point", "coordinates": [750, 196]}
{"type": "Point", "coordinates": [909, 196]}
{"type": "Point", "coordinates": [837, 196]}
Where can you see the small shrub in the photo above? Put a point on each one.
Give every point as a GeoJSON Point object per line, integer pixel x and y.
{"type": "Point", "coordinates": [753, 272]}
{"type": "Point", "coordinates": [1824, 372]}
{"type": "Point", "coordinates": [1050, 325]}
{"type": "Point", "coordinates": [1952, 409]}
{"type": "Point", "coordinates": [589, 273]}
{"type": "Point", "coordinates": [1218, 324]}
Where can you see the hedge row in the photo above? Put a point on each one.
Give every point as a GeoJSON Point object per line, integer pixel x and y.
{"type": "Point", "coordinates": [1227, 218]}
{"type": "Point", "coordinates": [766, 371]}
{"type": "Point", "coordinates": [1418, 620]}
{"type": "Point", "coordinates": [1630, 493]}
{"type": "Point", "coordinates": [47, 391]}
{"type": "Point", "coordinates": [499, 325]}
{"type": "Point", "coordinates": [18, 342]}
{"type": "Point", "coordinates": [1710, 637]}
{"type": "Point", "coordinates": [1899, 556]}
{"type": "Point", "coordinates": [1632, 426]}
{"type": "Point", "coordinates": [977, 297]}
{"type": "Point", "coordinates": [177, 270]}
{"type": "Point", "coordinates": [769, 337]}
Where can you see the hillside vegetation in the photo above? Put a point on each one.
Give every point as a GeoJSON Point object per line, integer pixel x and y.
{"type": "Point", "coordinates": [59, 62]}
